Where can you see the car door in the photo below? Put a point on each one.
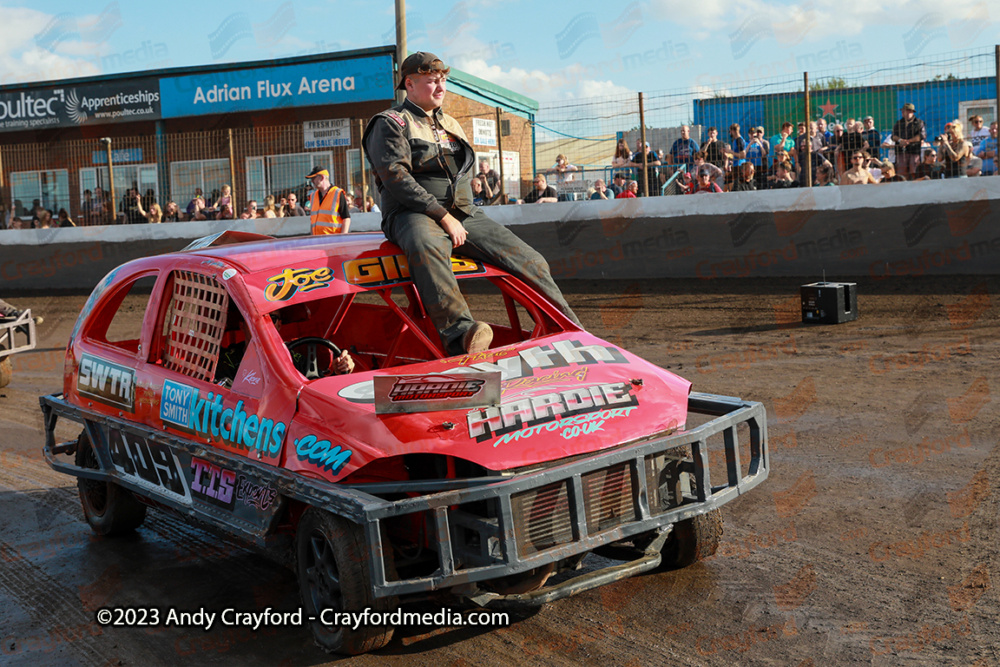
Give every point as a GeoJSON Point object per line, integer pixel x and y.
{"type": "Point", "coordinates": [208, 369]}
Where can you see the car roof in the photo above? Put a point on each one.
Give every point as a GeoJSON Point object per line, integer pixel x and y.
{"type": "Point", "coordinates": [338, 263]}
{"type": "Point", "coordinates": [263, 255]}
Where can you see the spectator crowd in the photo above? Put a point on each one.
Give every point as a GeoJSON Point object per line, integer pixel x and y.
{"type": "Point", "coordinates": [135, 208]}
{"type": "Point", "coordinates": [852, 153]}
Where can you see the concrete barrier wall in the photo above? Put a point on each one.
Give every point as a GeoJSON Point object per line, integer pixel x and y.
{"type": "Point", "coordinates": [899, 229]}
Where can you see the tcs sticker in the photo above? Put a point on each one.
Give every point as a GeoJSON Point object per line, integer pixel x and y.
{"type": "Point", "coordinates": [390, 269]}
{"type": "Point", "coordinates": [283, 286]}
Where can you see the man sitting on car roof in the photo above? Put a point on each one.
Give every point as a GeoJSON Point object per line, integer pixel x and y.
{"type": "Point", "coordinates": [423, 168]}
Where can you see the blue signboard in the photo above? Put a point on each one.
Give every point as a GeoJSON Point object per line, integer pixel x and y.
{"type": "Point", "coordinates": [306, 84]}
{"type": "Point", "coordinates": [118, 155]}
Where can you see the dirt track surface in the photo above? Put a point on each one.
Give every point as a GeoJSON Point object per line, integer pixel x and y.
{"type": "Point", "coordinates": [874, 541]}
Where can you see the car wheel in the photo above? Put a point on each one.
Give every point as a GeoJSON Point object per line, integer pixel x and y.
{"type": "Point", "coordinates": [6, 371]}
{"type": "Point", "coordinates": [109, 509]}
{"type": "Point", "coordinates": [692, 540]}
{"type": "Point", "coordinates": [334, 574]}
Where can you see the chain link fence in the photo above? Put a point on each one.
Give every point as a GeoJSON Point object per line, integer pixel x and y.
{"type": "Point", "coordinates": [721, 126]}
{"type": "Point", "coordinates": [227, 168]}
{"type": "Point", "coordinates": [768, 122]}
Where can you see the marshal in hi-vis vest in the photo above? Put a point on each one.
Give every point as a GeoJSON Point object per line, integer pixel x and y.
{"type": "Point", "coordinates": [323, 216]}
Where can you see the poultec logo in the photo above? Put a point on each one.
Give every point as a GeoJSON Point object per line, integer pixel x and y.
{"type": "Point", "coordinates": [208, 417]}
{"type": "Point", "coordinates": [434, 387]}
{"type": "Point", "coordinates": [23, 109]}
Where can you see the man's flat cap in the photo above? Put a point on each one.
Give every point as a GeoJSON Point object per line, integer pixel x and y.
{"type": "Point", "coordinates": [420, 62]}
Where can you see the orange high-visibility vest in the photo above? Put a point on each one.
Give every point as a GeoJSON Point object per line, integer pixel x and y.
{"type": "Point", "coordinates": [323, 216]}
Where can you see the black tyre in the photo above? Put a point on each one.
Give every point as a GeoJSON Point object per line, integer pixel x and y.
{"type": "Point", "coordinates": [693, 540]}
{"type": "Point", "coordinates": [6, 372]}
{"type": "Point", "coordinates": [109, 509]}
{"type": "Point", "coordinates": [333, 569]}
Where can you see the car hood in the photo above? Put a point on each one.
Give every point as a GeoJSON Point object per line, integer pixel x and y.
{"type": "Point", "coordinates": [561, 396]}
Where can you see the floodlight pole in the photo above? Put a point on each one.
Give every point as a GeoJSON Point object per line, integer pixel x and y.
{"type": "Point", "coordinates": [400, 43]}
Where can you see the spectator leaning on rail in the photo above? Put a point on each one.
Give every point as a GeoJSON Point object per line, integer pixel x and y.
{"type": "Point", "coordinates": [250, 212]}
{"type": "Point", "coordinates": [622, 155]}
{"type": "Point", "coordinates": [423, 166]}
{"type": "Point", "coordinates": [131, 207]}
{"type": "Point", "coordinates": [978, 134]}
{"type": "Point", "coordinates": [783, 141]}
{"type": "Point", "coordinates": [294, 209]}
{"type": "Point", "coordinates": [824, 177]}
{"type": "Point", "coordinates": [872, 136]}
{"type": "Point", "coordinates": [617, 185]}
{"type": "Point", "coordinates": [889, 174]}
{"type": "Point", "coordinates": [737, 145]}
{"type": "Point", "coordinates": [745, 180]}
{"type": "Point", "coordinates": [756, 154]}
{"type": "Point", "coordinates": [563, 170]}
{"type": "Point", "coordinates": [713, 149]}
{"type": "Point", "coordinates": [954, 150]}
{"type": "Point", "coordinates": [783, 176]}
{"type": "Point", "coordinates": [652, 162]}
{"type": "Point", "coordinates": [542, 193]}
{"type": "Point", "coordinates": [490, 178]}
{"type": "Point", "coordinates": [930, 168]}
{"type": "Point", "coordinates": [704, 183]}
{"type": "Point", "coordinates": [857, 174]}
{"type": "Point", "coordinates": [909, 134]}
{"type": "Point", "coordinates": [328, 208]}
{"type": "Point", "coordinates": [988, 152]}
{"type": "Point", "coordinates": [630, 192]}
{"type": "Point", "coordinates": [481, 194]}
{"type": "Point", "coordinates": [822, 130]}
{"type": "Point", "coordinates": [684, 148]}
{"type": "Point", "coordinates": [715, 173]}
{"type": "Point", "coordinates": [269, 208]}
{"type": "Point", "coordinates": [601, 191]}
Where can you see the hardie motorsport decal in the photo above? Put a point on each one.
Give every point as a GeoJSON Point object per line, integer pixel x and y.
{"type": "Point", "coordinates": [526, 412]}
{"type": "Point", "coordinates": [208, 417]}
{"type": "Point", "coordinates": [561, 354]}
{"type": "Point", "coordinates": [106, 382]}
{"type": "Point", "coordinates": [434, 387]}
{"type": "Point", "coordinates": [283, 286]}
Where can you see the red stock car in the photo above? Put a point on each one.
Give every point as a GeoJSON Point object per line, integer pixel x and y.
{"type": "Point", "coordinates": [487, 477]}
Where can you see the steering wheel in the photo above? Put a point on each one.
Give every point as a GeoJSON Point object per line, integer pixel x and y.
{"type": "Point", "coordinates": [311, 370]}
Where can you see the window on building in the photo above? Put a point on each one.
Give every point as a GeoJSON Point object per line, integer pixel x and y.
{"type": "Point", "coordinates": [209, 175]}
{"type": "Point", "coordinates": [970, 108]}
{"type": "Point", "coordinates": [141, 176]}
{"type": "Point", "coordinates": [511, 169]}
{"type": "Point", "coordinates": [49, 188]}
{"type": "Point", "coordinates": [280, 174]}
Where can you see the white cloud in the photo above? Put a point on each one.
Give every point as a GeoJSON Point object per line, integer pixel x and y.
{"type": "Point", "coordinates": [792, 23]}
{"type": "Point", "coordinates": [22, 60]}
{"type": "Point", "coordinates": [573, 82]}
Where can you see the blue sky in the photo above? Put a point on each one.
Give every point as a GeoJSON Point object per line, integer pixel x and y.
{"type": "Point", "coordinates": [549, 51]}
